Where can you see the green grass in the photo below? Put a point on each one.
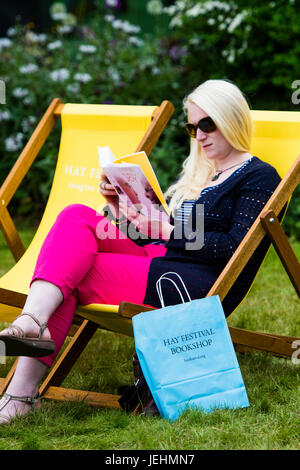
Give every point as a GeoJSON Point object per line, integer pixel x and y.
{"type": "Point", "coordinates": [271, 422]}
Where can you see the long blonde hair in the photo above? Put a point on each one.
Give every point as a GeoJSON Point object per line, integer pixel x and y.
{"type": "Point", "coordinates": [226, 105]}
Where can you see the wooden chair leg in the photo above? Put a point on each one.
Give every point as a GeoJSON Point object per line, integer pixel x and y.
{"type": "Point", "coordinates": [282, 246]}
{"type": "Point", "coordinates": [4, 382]}
{"type": "Point", "coordinates": [70, 355]}
{"type": "Point", "coordinates": [245, 340]}
{"type": "Point", "coordinates": [50, 388]}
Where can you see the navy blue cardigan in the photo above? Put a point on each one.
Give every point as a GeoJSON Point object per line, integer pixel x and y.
{"type": "Point", "coordinates": [230, 208]}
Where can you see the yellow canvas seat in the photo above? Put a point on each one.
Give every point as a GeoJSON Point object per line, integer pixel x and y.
{"type": "Point", "coordinates": [277, 141]}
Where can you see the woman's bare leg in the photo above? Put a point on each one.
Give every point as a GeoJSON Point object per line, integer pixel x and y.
{"type": "Point", "coordinates": [43, 299]}
{"type": "Point", "coordinates": [25, 382]}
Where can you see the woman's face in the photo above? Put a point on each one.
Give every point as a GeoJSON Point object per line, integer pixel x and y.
{"type": "Point", "coordinates": [214, 143]}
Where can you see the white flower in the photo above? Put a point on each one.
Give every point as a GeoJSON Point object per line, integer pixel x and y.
{"type": "Point", "coordinates": [28, 69]}
{"type": "Point", "coordinates": [111, 3]}
{"type": "Point", "coordinates": [195, 11]}
{"type": "Point", "coordinates": [32, 37]}
{"type": "Point", "coordinates": [59, 16]}
{"type": "Point", "coordinates": [73, 88]}
{"type": "Point", "coordinates": [11, 31]}
{"type": "Point", "coordinates": [83, 77]}
{"type": "Point", "coordinates": [42, 38]}
{"type": "Point", "coordinates": [237, 21]}
{"type": "Point", "coordinates": [5, 115]}
{"type": "Point", "coordinates": [54, 45]}
{"type": "Point", "coordinates": [58, 7]}
{"type": "Point", "coordinates": [155, 71]}
{"type": "Point", "coordinates": [136, 41]}
{"type": "Point", "coordinates": [27, 100]}
{"type": "Point", "coordinates": [109, 18]}
{"type": "Point", "coordinates": [58, 11]}
{"type": "Point", "coordinates": [20, 92]}
{"type": "Point", "coordinates": [64, 29]}
{"type": "Point", "coordinates": [60, 75]}
{"type": "Point", "coordinates": [5, 42]}
{"type": "Point", "coordinates": [176, 21]}
{"type": "Point", "coordinates": [125, 26]}
{"type": "Point", "coordinates": [14, 143]}
{"type": "Point", "coordinates": [154, 7]}
{"type": "Point", "coordinates": [87, 48]}
{"type": "Point", "coordinates": [170, 10]}
{"type": "Point", "coordinates": [114, 75]}
{"type": "Point", "coordinates": [70, 20]}
{"type": "Point", "coordinates": [28, 123]}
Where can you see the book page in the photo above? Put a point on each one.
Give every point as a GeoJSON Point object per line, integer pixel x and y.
{"type": "Point", "coordinates": [146, 178]}
{"type": "Point", "coordinates": [141, 159]}
{"type": "Point", "coordinates": [134, 189]}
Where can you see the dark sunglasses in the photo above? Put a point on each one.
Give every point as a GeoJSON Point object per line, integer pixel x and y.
{"type": "Point", "coordinates": [206, 125]}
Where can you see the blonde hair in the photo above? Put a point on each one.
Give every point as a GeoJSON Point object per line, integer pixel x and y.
{"type": "Point", "coordinates": [226, 105]}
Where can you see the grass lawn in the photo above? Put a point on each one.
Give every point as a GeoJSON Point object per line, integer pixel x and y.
{"type": "Point", "coordinates": [271, 422]}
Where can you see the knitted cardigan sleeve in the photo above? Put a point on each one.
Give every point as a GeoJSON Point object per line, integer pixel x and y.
{"type": "Point", "coordinates": [251, 197]}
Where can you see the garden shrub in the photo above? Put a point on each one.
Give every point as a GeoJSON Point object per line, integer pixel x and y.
{"type": "Point", "coordinates": [106, 61]}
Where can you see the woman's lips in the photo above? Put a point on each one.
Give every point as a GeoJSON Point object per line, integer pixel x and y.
{"type": "Point", "coordinates": [206, 145]}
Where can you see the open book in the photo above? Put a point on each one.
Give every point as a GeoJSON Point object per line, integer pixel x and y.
{"type": "Point", "coordinates": [133, 178]}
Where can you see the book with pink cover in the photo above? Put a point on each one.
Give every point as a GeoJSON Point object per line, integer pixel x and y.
{"type": "Point", "coordinates": [134, 180]}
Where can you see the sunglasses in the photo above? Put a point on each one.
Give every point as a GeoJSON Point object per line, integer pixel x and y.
{"type": "Point", "coordinates": [206, 125]}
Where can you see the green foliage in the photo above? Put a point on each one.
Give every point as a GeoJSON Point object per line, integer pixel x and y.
{"type": "Point", "coordinates": [255, 43]}
{"type": "Point", "coordinates": [107, 60]}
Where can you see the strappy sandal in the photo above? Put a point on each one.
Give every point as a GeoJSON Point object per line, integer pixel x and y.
{"type": "Point", "coordinates": [7, 398]}
{"type": "Point", "coordinates": [17, 344]}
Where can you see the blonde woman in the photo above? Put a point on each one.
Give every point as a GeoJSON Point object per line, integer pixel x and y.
{"type": "Point", "coordinates": [87, 259]}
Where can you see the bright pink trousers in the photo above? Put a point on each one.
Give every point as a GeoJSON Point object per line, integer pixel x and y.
{"type": "Point", "coordinates": [91, 261]}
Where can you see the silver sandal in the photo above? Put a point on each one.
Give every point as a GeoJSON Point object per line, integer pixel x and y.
{"type": "Point", "coordinates": [17, 344]}
{"type": "Point", "coordinates": [8, 397]}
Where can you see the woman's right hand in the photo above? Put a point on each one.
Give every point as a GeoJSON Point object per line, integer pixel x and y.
{"type": "Point", "coordinates": [110, 194]}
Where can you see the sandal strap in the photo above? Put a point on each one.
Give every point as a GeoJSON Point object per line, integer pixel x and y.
{"type": "Point", "coordinates": [29, 400]}
{"type": "Point", "coordinates": [15, 330]}
{"type": "Point", "coordinates": [42, 326]}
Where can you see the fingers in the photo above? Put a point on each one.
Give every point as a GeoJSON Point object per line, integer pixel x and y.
{"type": "Point", "coordinates": [106, 188]}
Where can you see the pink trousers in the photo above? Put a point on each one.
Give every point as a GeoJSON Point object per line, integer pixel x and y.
{"type": "Point", "coordinates": [91, 261]}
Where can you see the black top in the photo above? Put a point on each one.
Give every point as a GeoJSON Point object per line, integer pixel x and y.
{"type": "Point", "coordinates": [229, 210]}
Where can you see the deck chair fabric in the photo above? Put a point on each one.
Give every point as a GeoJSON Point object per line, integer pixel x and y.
{"type": "Point", "coordinates": [277, 141]}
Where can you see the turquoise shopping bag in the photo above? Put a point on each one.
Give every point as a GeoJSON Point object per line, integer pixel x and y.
{"type": "Point", "coordinates": [187, 356]}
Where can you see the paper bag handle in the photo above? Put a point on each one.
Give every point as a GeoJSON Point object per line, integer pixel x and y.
{"type": "Point", "coordinates": [159, 290]}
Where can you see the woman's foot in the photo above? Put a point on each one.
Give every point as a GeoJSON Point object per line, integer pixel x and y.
{"type": "Point", "coordinates": [27, 336]}
{"type": "Point", "coordinates": [30, 328]}
{"type": "Point", "coordinates": [12, 406]}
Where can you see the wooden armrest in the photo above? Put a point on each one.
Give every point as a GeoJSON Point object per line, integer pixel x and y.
{"type": "Point", "coordinates": [128, 310]}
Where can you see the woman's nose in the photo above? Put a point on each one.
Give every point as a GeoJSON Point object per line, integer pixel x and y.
{"type": "Point", "coordinates": [200, 135]}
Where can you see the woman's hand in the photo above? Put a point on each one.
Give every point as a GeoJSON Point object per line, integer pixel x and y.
{"type": "Point", "coordinates": [155, 229]}
{"type": "Point", "coordinates": [110, 194]}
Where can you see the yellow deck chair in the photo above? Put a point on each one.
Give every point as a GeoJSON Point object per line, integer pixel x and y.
{"type": "Point", "coordinates": [277, 141]}
{"type": "Point", "coordinates": [125, 129]}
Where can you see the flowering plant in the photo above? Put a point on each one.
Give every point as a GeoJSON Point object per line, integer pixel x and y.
{"type": "Point", "coordinates": [106, 61]}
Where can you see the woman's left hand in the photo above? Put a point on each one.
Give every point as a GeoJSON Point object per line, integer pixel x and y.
{"type": "Point", "coordinates": [155, 229]}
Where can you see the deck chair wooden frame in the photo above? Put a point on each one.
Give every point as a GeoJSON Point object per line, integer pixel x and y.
{"type": "Point", "coordinates": [244, 340]}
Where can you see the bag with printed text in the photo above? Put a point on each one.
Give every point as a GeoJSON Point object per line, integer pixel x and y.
{"type": "Point", "coordinates": [186, 357]}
